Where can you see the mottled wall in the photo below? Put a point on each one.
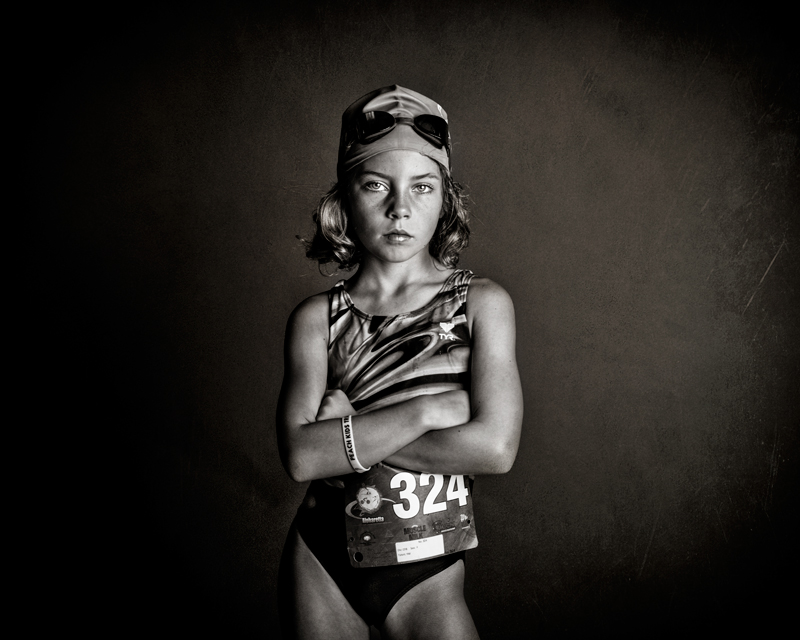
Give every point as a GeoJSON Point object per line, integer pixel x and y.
{"type": "Point", "coordinates": [634, 177]}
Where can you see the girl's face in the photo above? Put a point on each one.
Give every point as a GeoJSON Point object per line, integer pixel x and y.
{"type": "Point", "coordinates": [395, 204]}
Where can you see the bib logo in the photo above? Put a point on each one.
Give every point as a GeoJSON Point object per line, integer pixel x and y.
{"type": "Point", "coordinates": [366, 505]}
{"type": "Point", "coordinates": [368, 498]}
{"type": "Point", "coordinates": [447, 326]}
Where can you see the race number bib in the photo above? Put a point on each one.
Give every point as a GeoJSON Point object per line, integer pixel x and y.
{"type": "Point", "coordinates": [395, 516]}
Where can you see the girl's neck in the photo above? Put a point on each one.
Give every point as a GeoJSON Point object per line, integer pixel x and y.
{"type": "Point", "coordinates": [381, 288]}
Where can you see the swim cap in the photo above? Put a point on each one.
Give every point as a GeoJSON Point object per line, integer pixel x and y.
{"type": "Point", "coordinates": [401, 103]}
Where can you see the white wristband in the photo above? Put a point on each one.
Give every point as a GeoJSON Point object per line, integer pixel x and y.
{"type": "Point", "coordinates": [350, 446]}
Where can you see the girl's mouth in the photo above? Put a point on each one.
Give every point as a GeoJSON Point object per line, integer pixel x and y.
{"type": "Point", "coordinates": [398, 237]}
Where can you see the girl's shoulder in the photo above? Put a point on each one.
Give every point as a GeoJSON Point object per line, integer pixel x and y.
{"type": "Point", "coordinates": [486, 299]}
{"type": "Point", "coordinates": [486, 291]}
{"type": "Point", "coordinates": [311, 314]}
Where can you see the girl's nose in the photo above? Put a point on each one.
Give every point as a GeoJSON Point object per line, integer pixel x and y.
{"type": "Point", "coordinates": [400, 206]}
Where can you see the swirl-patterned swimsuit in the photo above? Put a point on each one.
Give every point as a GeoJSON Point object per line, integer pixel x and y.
{"type": "Point", "coordinates": [382, 360]}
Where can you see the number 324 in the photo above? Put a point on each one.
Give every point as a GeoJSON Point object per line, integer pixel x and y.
{"type": "Point", "coordinates": [456, 490]}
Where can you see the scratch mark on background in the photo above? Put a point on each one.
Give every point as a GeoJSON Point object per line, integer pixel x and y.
{"type": "Point", "coordinates": [455, 65]}
{"type": "Point", "coordinates": [765, 274]}
{"type": "Point", "coordinates": [647, 550]}
{"type": "Point", "coordinates": [773, 472]}
{"type": "Point", "coordinates": [536, 602]}
{"type": "Point", "coordinates": [744, 244]}
{"type": "Point", "coordinates": [387, 25]}
{"type": "Point", "coordinates": [697, 73]}
{"type": "Point", "coordinates": [494, 47]}
{"type": "Point", "coordinates": [724, 535]}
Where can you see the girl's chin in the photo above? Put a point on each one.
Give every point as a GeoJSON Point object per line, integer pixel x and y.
{"type": "Point", "coordinates": [397, 253]}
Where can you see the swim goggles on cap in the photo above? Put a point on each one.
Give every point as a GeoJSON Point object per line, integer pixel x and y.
{"type": "Point", "coordinates": [373, 125]}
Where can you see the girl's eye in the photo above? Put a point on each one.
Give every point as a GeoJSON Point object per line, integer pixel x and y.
{"type": "Point", "coordinates": [374, 186]}
{"type": "Point", "coordinates": [423, 188]}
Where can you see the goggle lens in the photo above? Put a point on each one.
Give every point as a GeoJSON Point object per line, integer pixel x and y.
{"type": "Point", "coordinates": [433, 126]}
{"type": "Point", "coordinates": [374, 124]}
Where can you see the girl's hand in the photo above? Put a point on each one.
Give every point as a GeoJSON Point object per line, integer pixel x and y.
{"type": "Point", "coordinates": [334, 405]}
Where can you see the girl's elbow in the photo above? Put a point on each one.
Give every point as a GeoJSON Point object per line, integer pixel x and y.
{"type": "Point", "coordinates": [503, 463]}
{"type": "Point", "coordinates": [297, 473]}
{"type": "Point", "coordinates": [297, 459]}
{"type": "Point", "coordinates": [498, 445]}
{"type": "Point", "coordinates": [295, 467]}
{"type": "Point", "coordinates": [503, 457]}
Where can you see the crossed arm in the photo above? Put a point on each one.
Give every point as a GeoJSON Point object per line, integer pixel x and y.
{"type": "Point", "coordinates": [450, 433]}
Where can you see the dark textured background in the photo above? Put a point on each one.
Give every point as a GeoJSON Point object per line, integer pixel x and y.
{"type": "Point", "coordinates": [634, 176]}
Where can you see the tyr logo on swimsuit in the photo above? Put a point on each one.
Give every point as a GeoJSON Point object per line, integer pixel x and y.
{"type": "Point", "coordinates": [447, 326]}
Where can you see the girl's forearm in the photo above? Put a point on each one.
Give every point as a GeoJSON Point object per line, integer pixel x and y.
{"type": "Point", "coordinates": [471, 448]}
{"type": "Point", "coordinates": [317, 449]}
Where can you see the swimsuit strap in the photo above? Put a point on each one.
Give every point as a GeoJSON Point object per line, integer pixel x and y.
{"type": "Point", "coordinates": [456, 286]}
{"type": "Point", "coordinates": [459, 283]}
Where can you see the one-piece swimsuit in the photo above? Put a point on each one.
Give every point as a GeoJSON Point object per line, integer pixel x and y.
{"type": "Point", "coordinates": [379, 361]}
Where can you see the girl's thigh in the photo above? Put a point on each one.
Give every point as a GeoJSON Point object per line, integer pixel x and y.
{"type": "Point", "coordinates": [311, 606]}
{"type": "Point", "coordinates": [435, 609]}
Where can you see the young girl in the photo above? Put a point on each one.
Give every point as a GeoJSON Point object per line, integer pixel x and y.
{"type": "Point", "coordinates": [399, 382]}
